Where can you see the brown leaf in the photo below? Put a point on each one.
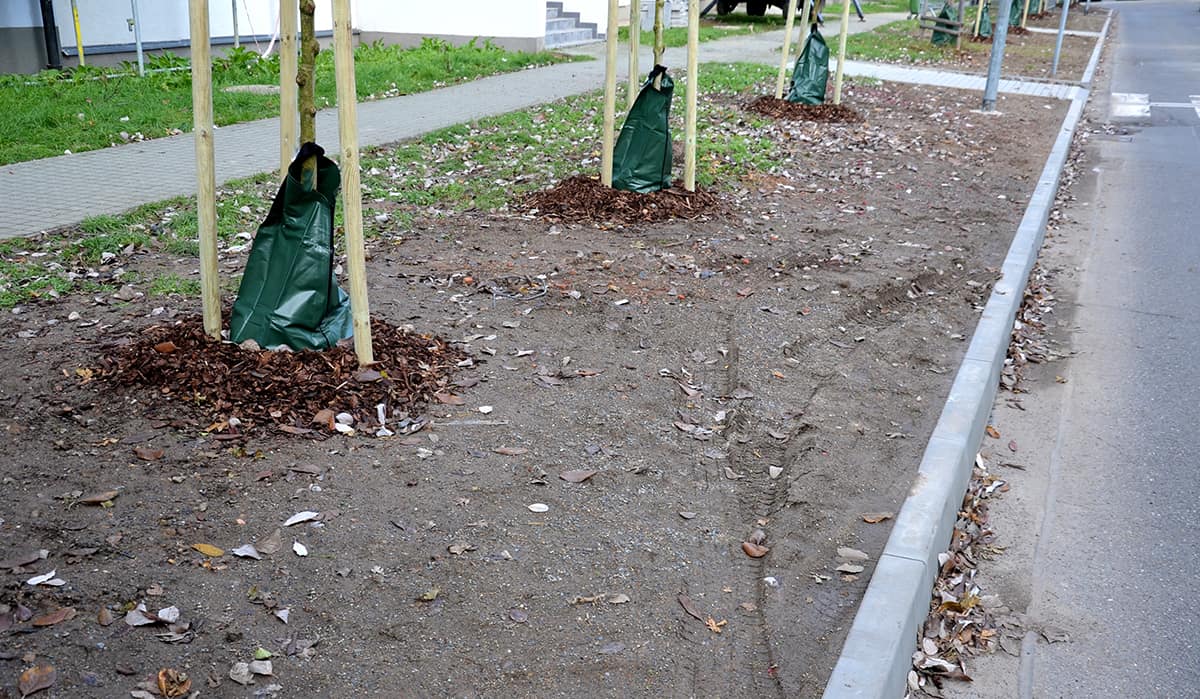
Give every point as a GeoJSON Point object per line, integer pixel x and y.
{"type": "Point", "coordinates": [754, 550]}
{"type": "Point", "coordinates": [148, 453]}
{"type": "Point", "coordinates": [173, 683]}
{"type": "Point", "coordinates": [993, 432]}
{"type": "Point", "coordinates": [511, 451]}
{"type": "Point", "coordinates": [290, 429]}
{"type": "Point", "coordinates": [105, 617]}
{"type": "Point", "coordinates": [271, 544]}
{"type": "Point", "coordinates": [690, 607]}
{"type": "Point", "coordinates": [98, 498]}
{"type": "Point", "coordinates": [35, 679]}
{"type": "Point", "coordinates": [577, 476]}
{"type": "Point", "coordinates": [368, 376]}
{"type": "Point", "coordinates": [165, 347]}
{"type": "Point", "coordinates": [714, 625]}
{"type": "Point", "coordinates": [54, 617]}
{"type": "Point", "coordinates": [876, 517]}
{"type": "Point", "coordinates": [324, 418]}
{"type": "Point", "coordinates": [449, 398]}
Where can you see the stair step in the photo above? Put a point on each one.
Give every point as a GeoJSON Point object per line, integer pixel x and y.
{"type": "Point", "coordinates": [552, 13]}
{"type": "Point", "coordinates": [561, 23]}
{"type": "Point", "coordinates": [563, 37]}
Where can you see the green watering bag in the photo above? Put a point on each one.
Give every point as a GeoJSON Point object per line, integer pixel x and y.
{"type": "Point", "coordinates": [811, 73]}
{"type": "Point", "coordinates": [642, 155]}
{"type": "Point", "coordinates": [288, 294]}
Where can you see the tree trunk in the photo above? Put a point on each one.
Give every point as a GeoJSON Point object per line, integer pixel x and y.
{"type": "Point", "coordinates": [306, 79]}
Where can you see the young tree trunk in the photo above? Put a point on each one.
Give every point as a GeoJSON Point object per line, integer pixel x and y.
{"type": "Point", "coordinates": [306, 79]}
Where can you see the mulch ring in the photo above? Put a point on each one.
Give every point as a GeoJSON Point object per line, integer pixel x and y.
{"type": "Point", "coordinates": [583, 199]}
{"type": "Point", "coordinates": [825, 113]}
{"type": "Point", "coordinates": [299, 392]}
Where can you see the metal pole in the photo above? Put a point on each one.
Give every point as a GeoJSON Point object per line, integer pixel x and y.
{"type": "Point", "coordinates": [137, 37]}
{"type": "Point", "coordinates": [236, 41]}
{"type": "Point", "coordinates": [206, 198]}
{"type": "Point", "coordinates": [842, 32]}
{"type": "Point", "coordinates": [1062, 28]}
{"type": "Point", "coordinates": [787, 44]}
{"type": "Point", "coordinates": [693, 86]}
{"type": "Point", "coordinates": [347, 105]}
{"type": "Point", "coordinates": [50, 35]}
{"type": "Point", "coordinates": [610, 96]}
{"type": "Point", "coordinates": [78, 33]}
{"type": "Point", "coordinates": [1000, 33]}
{"type": "Point", "coordinates": [635, 42]}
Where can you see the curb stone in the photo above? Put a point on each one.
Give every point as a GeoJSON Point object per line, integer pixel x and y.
{"type": "Point", "coordinates": [877, 654]}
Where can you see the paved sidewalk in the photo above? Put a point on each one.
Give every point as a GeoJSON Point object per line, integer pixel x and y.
{"type": "Point", "coordinates": [45, 194]}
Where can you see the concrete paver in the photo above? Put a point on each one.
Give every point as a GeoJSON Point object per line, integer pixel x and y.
{"type": "Point", "coordinates": [66, 189]}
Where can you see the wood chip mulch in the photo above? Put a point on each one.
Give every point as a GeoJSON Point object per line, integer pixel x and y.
{"type": "Point", "coordinates": [184, 367]}
{"type": "Point", "coordinates": [825, 113]}
{"type": "Point", "coordinates": [581, 199]}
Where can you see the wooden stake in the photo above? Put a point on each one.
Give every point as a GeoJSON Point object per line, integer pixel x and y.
{"type": "Point", "coordinates": [659, 43]}
{"type": "Point", "coordinates": [206, 185]}
{"type": "Point", "coordinates": [959, 36]}
{"type": "Point", "coordinates": [787, 44]}
{"type": "Point", "coordinates": [610, 96]}
{"type": "Point", "coordinates": [979, 17]}
{"type": "Point", "coordinates": [287, 85]}
{"type": "Point", "coordinates": [1025, 13]}
{"type": "Point", "coordinates": [693, 84]}
{"type": "Point", "coordinates": [347, 103]}
{"type": "Point", "coordinates": [842, 32]}
{"type": "Point", "coordinates": [635, 43]}
{"type": "Point", "coordinates": [805, 28]}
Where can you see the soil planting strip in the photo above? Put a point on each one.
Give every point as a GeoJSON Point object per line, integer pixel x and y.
{"type": "Point", "coordinates": [878, 651]}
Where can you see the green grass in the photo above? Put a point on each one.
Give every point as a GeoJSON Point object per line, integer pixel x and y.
{"type": "Point", "coordinates": [899, 41]}
{"type": "Point", "coordinates": [487, 165]}
{"type": "Point", "coordinates": [709, 31]}
{"type": "Point", "coordinates": [90, 108]}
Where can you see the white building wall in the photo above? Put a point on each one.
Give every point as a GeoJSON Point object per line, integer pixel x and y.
{"type": "Point", "coordinates": [20, 13]}
{"type": "Point", "coordinates": [525, 19]}
{"type": "Point", "coordinates": [103, 22]}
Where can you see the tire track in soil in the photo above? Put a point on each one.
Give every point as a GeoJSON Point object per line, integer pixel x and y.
{"type": "Point", "coordinates": [740, 661]}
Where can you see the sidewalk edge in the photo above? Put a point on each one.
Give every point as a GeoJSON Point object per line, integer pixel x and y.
{"type": "Point", "coordinates": [1090, 71]}
{"type": "Point", "coordinates": [877, 655]}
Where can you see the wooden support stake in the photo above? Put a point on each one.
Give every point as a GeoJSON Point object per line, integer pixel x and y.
{"type": "Point", "coordinates": [206, 185]}
{"type": "Point", "coordinates": [610, 96]}
{"type": "Point", "coordinates": [805, 26]}
{"type": "Point", "coordinates": [306, 80]}
{"type": "Point", "coordinates": [1025, 13]}
{"type": "Point", "coordinates": [787, 44]}
{"type": "Point", "coordinates": [635, 43]}
{"type": "Point", "coordinates": [659, 43]}
{"type": "Point", "coordinates": [842, 32]}
{"type": "Point", "coordinates": [347, 103]}
{"type": "Point", "coordinates": [982, 7]}
{"type": "Point", "coordinates": [287, 85]}
{"type": "Point", "coordinates": [693, 85]}
{"type": "Point", "coordinates": [958, 37]}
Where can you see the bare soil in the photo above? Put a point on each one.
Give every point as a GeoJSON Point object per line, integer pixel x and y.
{"type": "Point", "coordinates": [776, 366]}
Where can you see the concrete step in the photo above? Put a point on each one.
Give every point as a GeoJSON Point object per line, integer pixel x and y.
{"type": "Point", "coordinates": [561, 23]}
{"type": "Point", "coordinates": [564, 37]}
{"type": "Point", "coordinates": [552, 13]}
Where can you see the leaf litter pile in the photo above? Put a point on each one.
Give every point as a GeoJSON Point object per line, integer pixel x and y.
{"type": "Point", "coordinates": [295, 390]}
{"type": "Point", "coordinates": [824, 113]}
{"type": "Point", "coordinates": [583, 199]}
{"type": "Point", "coordinates": [963, 621]}
{"type": "Point", "coordinates": [1029, 343]}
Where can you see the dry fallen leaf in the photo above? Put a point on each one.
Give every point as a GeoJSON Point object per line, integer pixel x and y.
{"type": "Point", "coordinates": [754, 550]}
{"type": "Point", "coordinates": [98, 498]}
{"type": "Point", "coordinates": [849, 568]}
{"type": "Point", "coordinates": [876, 517]}
{"type": "Point", "coordinates": [54, 617]}
{"type": "Point", "coordinates": [173, 683]}
{"type": "Point", "coordinates": [690, 607]}
{"type": "Point", "coordinates": [449, 399]}
{"type": "Point", "coordinates": [306, 516]}
{"type": "Point", "coordinates": [148, 453]}
{"type": "Point", "coordinates": [849, 554]}
{"type": "Point", "coordinates": [993, 432]}
{"type": "Point", "coordinates": [577, 476]}
{"type": "Point", "coordinates": [272, 543]}
{"type": "Point", "coordinates": [209, 550]}
{"type": "Point", "coordinates": [105, 617]}
{"type": "Point", "coordinates": [37, 678]}
{"type": "Point", "coordinates": [510, 451]}
{"type": "Point", "coordinates": [714, 625]}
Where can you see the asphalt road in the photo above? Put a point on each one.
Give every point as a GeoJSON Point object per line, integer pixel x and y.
{"type": "Point", "coordinates": [1102, 524]}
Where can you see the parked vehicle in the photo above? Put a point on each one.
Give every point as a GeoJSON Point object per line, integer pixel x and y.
{"type": "Point", "coordinates": [756, 8]}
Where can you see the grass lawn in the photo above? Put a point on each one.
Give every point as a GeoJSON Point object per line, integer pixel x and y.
{"type": "Point", "coordinates": [485, 165]}
{"type": "Point", "coordinates": [90, 108]}
{"type": "Point", "coordinates": [895, 41]}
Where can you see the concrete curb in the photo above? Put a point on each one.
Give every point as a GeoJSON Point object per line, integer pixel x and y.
{"type": "Point", "coordinates": [1090, 71]}
{"type": "Point", "coordinates": [877, 655]}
